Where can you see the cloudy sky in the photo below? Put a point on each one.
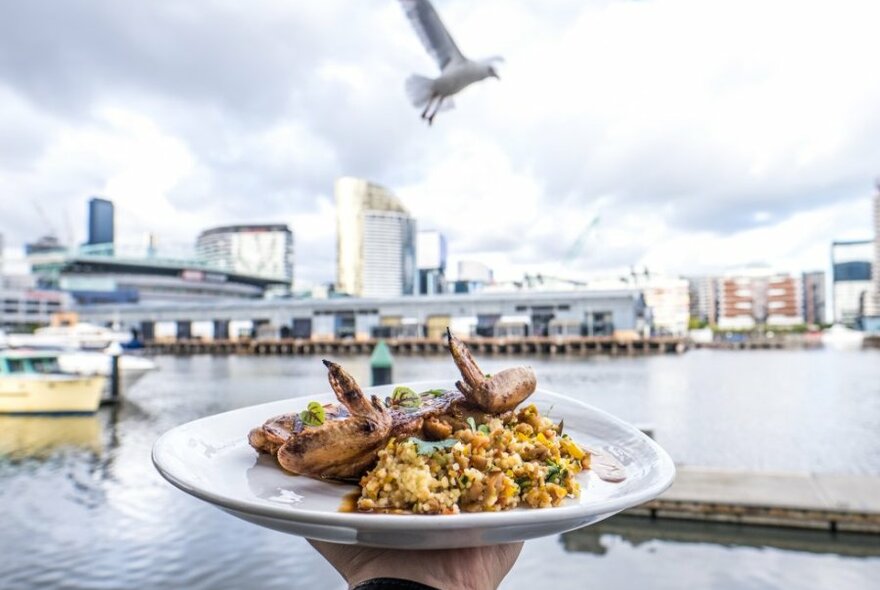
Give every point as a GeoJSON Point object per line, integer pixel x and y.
{"type": "Point", "coordinates": [703, 135]}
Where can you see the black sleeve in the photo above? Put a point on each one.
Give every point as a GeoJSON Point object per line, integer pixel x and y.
{"type": "Point", "coordinates": [391, 584]}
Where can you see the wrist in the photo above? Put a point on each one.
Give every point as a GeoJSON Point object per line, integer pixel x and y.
{"type": "Point", "coordinates": [391, 584]}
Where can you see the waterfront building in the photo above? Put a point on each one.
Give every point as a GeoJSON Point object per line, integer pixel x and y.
{"type": "Point", "coordinates": [472, 277]}
{"type": "Point", "coordinates": [619, 312]}
{"type": "Point", "coordinates": [257, 250]}
{"type": "Point", "coordinates": [669, 301]}
{"type": "Point", "coordinates": [851, 279]}
{"type": "Point", "coordinates": [101, 222]}
{"type": "Point", "coordinates": [814, 297]}
{"type": "Point", "coordinates": [431, 262]}
{"type": "Point", "coordinates": [20, 308]}
{"type": "Point", "coordinates": [784, 301]}
{"type": "Point", "coordinates": [98, 276]}
{"type": "Point", "coordinates": [759, 296]}
{"type": "Point", "coordinates": [703, 293]}
{"type": "Point", "coordinates": [375, 241]}
{"type": "Point", "coordinates": [871, 319]}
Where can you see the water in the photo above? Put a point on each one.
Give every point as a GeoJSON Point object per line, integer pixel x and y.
{"type": "Point", "coordinates": [82, 507]}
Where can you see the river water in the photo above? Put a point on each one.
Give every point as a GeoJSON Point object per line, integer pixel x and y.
{"type": "Point", "coordinates": [82, 507]}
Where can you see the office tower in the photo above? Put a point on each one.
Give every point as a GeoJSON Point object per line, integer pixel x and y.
{"type": "Point", "coordinates": [375, 241]}
{"type": "Point", "coordinates": [703, 293]}
{"type": "Point", "coordinates": [260, 250]}
{"type": "Point", "coordinates": [100, 221]}
{"type": "Point", "coordinates": [851, 279]}
{"type": "Point", "coordinates": [431, 262]}
{"type": "Point", "coordinates": [874, 300]}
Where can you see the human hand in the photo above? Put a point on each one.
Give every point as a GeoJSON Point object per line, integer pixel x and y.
{"type": "Point", "coordinates": [474, 568]}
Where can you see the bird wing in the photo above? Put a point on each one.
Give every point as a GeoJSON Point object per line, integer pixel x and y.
{"type": "Point", "coordinates": [434, 36]}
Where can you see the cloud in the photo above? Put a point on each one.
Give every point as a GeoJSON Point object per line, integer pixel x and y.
{"type": "Point", "coordinates": [700, 134]}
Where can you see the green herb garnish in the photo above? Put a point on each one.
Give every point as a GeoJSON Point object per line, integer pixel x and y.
{"type": "Point", "coordinates": [472, 423]}
{"type": "Point", "coordinates": [555, 474]}
{"type": "Point", "coordinates": [484, 428]}
{"type": "Point", "coordinates": [523, 482]}
{"type": "Point", "coordinates": [313, 415]}
{"type": "Point", "coordinates": [427, 448]}
{"type": "Point", "coordinates": [406, 397]}
{"type": "Point", "coordinates": [434, 392]}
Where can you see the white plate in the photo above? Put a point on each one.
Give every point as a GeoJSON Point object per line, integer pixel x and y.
{"type": "Point", "coordinates": [211, 459]}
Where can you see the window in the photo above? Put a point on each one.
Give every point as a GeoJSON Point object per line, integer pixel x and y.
{"type": "Point", "coordinates": [45, 365]}
{"type": "Point", "coordinates": [15, 365]}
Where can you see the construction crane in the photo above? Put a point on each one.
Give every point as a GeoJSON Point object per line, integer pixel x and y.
{"type": "Point", "coordinates": [574, 252]}
{"type": "Point", "coordinates": [45, 219]}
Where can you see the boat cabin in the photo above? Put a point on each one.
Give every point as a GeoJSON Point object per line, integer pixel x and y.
{"type": "Point", "coordinates": [29, 363]}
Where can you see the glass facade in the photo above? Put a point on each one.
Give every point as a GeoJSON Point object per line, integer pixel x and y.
{"type": "Point", "coordinates": [100, 221]}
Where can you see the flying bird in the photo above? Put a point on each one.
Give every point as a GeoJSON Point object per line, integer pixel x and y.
{"type": "Point", "coordinates": [456, 71]}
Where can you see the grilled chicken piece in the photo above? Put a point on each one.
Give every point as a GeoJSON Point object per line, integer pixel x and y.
{"type": "Point", "coordinates": [356, 429]}
{"type": "Point", "coordinates": [496, 393]}
{"type": "Point", "coordinates": [344, 447]}
{"type": "Point", "coordinates": [269, 437]}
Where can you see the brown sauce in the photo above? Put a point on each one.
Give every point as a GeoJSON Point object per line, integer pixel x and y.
{"type": "Point", "coordinates": [350, 501]}
{"type": "Point", "coordinates": [606, 467]}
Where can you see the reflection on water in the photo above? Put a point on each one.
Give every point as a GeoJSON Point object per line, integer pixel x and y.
{"type": "Point", "coordinates": [36, 437]}
{"type": "Point", "coordinates": [83, 507]}
{"type": "Point", "coordinates": [637, 531]}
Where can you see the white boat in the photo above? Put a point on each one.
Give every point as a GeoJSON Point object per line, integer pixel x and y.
{"type": "Point", "coordinates": [78, 336]}
{"type": "Point", "coordinates": [84, 349]}
{"type": "Point", "coordinates": [839, 337]}
{"type": "Point", "coordinates": [32, 382]}
{"type": "Point", "coordinates": [85, 362]}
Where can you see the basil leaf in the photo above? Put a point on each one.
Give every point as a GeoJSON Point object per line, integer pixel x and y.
{"type": "Point", "coordinates": [406, 397]}
{"type": "Point", "coordinates": [313, 415]}
{"type": "Point", "coordinates": [425, 447]}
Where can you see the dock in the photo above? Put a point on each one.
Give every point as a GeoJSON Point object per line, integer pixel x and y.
{"type": "Point", "coordinates": [638, 530]}
{"type": "Point", "coordinates": [760, 344]}
{"type": "Point", "coordinates": [849, 503]}
{"type": "Point", "coordinates": [529, 345]}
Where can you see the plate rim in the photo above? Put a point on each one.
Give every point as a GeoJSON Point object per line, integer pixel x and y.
{"type": "Point", "coordinates": [360, 520]}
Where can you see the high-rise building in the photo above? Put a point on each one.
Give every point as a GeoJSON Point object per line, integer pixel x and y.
{"type": "Point", "coordinates": [814, 297]}
{"type": "Point", "coordinates": [669, 301]}
{"type": "Point", "coordinates": [431, 262]}
{"type": "Point", "coordinates": [375, 241]}
{"type": "Point", "coordinates": [703, 293]}
{"type": "Point", "coordinates": [874, 300]}
{"type": "Point", "coordinates": [259, 250]}
{"type": "Point", "coordinates": [100, 221]}
{"type": "Point", "coordinates": [851, 279]}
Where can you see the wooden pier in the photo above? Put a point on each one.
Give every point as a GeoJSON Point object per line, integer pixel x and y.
{"type": "Point", "coordinates": [577, 346]}
{"type": "Point", "coordinates": [801, 500]}
{"type": "Point", "coordinates": [760, 344]}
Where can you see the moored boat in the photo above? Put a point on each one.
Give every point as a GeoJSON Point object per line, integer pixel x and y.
{"type": "Point", "coordinates": [839, 337]}
{"type": "Point", "coordinates": [32, 382]}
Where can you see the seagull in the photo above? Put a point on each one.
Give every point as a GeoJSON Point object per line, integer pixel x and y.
{"type": "Point", "coordinates": [456, 71]}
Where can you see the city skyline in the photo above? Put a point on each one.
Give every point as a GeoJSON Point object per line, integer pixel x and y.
{"type": "Point", "coordinates": [692, 161]}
